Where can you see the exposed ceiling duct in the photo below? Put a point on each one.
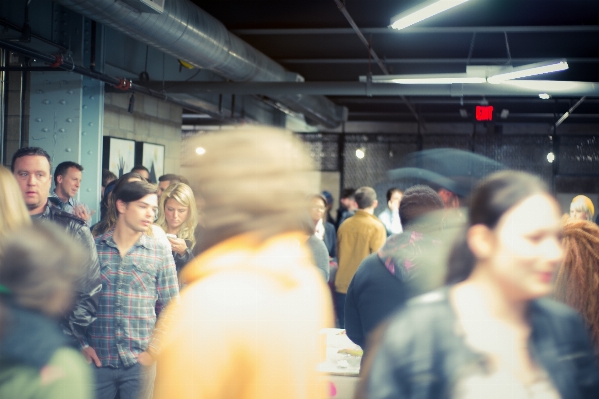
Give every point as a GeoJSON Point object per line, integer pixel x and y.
{"type": "Point", "coordinates": [187, 32]}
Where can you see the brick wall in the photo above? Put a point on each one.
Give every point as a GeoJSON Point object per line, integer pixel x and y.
{"type": "Point", "coordinates": [152, 121]}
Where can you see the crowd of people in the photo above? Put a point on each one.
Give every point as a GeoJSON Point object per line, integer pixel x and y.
{"type": "Point", "coordinates": [220, 291]}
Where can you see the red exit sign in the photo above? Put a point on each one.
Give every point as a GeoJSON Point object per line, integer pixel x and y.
{"type": "Point", "coordinates": [484, 112]}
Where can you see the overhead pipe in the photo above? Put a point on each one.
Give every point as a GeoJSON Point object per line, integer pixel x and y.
{"type": "Point", "coordinates": [569, 112]}
{"type": "Point", "coordinates": [350, 20]}
{"type": "Point", "coordinates": [111, 80]}
{"type": "Point", "coordinates": [187, 32]}
{"type": "Point", "coordinates": [364, 88]}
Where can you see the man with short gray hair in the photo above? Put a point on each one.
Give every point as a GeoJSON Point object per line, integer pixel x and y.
{"type": "Point", "coordinates": [357, 237]}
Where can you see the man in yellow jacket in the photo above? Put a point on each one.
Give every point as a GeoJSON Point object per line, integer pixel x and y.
{"type": "Point", "coordinates": [357, 237]}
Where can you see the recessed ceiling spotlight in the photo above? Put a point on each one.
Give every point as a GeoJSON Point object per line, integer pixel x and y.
{"type": "Point", "coordinates": [550, 157]}
{"type": "Point", "coordinates": [200, 151]}
{"type": "Point", "coordinates": [544, 96]}
{"type": "Point", "coordinates": [360, 153]}
{"type": "Point", "coordinates": [504, 113]}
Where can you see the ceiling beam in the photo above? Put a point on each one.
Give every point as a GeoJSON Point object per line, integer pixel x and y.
{"type": "Point", "coordinates": [577, 89]}
{"type": "Point", "coordinates": [482, 61]}
{"type": "Point", "coordinates": [449, 29]}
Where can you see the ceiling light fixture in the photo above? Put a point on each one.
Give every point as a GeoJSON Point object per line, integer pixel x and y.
{"type": "Point", "coordinates": [422, 12]}
{"type": "Point", "coordinates": [544, 96]}
{"type": "Point", "coordinates": [529, 70]}
{"type": "Point", "coordinates": [427, 79]}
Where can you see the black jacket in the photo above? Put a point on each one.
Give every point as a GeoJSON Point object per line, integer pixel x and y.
{"type": "Point", "coordinates": [385, 280]}
{"type": "Point", "coordinates": [422, 351]}
{"type": "Point", "coordinates": [88, 287]}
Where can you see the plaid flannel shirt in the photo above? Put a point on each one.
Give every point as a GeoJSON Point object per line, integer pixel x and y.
{"type": "Point", "coordinates": [135, 289]}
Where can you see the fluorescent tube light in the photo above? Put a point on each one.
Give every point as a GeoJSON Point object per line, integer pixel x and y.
{"type": "Point", "coordinates": [427, 79]}
{"type": "Point", "coordinates": [529, 70]}
{"type": "Point", "coordinates": [423, 12]}
{"type": "Point", "coordinates": [438, 81]}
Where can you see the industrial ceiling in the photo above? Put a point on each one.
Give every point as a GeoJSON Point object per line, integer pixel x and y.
{"type": "Point", "coordinates": [314, 39]}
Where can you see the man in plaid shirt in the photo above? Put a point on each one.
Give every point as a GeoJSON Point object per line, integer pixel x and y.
{"type": "Point", "coordinates": [138, 281]}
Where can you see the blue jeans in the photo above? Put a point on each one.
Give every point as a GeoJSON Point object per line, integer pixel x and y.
{"type": "Point", "coordinates": [133, 382]}
{"type": "Point", "coordinates": [340, 309]}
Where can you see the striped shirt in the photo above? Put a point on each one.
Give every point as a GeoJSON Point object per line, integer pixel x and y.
{"type": "Point", "coordinates": [135, 289]}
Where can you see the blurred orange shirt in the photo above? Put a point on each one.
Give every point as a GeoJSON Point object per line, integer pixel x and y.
{"type": "Point", "coordinates": [247, 323]}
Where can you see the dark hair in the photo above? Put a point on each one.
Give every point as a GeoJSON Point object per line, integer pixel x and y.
{"type": "Point", "coordinates": [63, 167]}
{"type": "Point", "coordinates": [109, 215]}
{"type": "Point", "coordinates": [365, 197]}
{"type": "Point", "coordinates": [391, 191]}
{"type": "Point", "coordinates": [172, 178]}
{"type": "Point", "coordinates": [36, 262]}
{"type": "Point", "coordinates": [347, 193]}
{"type": "Point", "coordinates": [417, 201]}
{"type": "Point", "coordinates": [139, 167]}
{"type": "Point", "coordinates": [133, 191]}
{"type": "Point", "coordinates": [107, 177]}
{"type": "Point", "coordinates": [494, 196]}
{"type": "Point", "coordinates": [27, 151]}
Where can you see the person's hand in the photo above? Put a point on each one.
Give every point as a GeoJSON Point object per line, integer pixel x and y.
{"type": "Point", "coordinates": [90, 355]}
{"type": "Point", "coordinates": [178, 245]}
{"type": "Point", "coordinates": [82, 212]}
{"type": "Point", "coordinates": [145, 359]}
{"type": "Point", "coordinates": [393, 205]}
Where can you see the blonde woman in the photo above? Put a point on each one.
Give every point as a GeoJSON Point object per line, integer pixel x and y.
{"type": "Point", "coordinates": [178, 218]}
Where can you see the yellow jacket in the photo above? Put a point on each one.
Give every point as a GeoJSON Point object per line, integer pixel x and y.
{"type": "Point", "coordinates": [357, 237]}
{"type": "Point", "coordinates": [247, 324]}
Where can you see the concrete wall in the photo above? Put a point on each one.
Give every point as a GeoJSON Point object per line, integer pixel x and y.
{"type": "Point", "coordinates": [152, 121]}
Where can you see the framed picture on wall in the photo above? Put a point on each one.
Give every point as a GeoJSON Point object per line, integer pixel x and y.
{"type": "Point", "coordinates": [118, 155]}
{"type": "Point", "coordinates": [151, 156]}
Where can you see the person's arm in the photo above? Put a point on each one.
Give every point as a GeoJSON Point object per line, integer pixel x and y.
{"type": "Point", "coordinates": [88, 287]}
{"type": "Point", "coordinates": [167, 289]}
{"type": "Point", "coordinates": [353, 322]}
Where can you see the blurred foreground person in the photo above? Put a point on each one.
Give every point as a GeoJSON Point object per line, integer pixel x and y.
{"type": "Point", "coordinates": [248, 320]}
{"type": "Point", "coordinates": [577, 281]}
{"type": "Point", "coordinates": [582, 208]}
{"type": "Point", "coordinates": [386, 279]}
{"type": "Point", "coordinates": [178, 217]}
{"type": "Point", "coordinates": [13, 213]}
{"type": "Point", "coordinates": [492, 334]}
{"type": "Point", "coordinates": [39, 266]}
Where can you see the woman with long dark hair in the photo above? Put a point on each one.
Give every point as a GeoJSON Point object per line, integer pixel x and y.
{"type": "Point", "coordinates": [490, 333]}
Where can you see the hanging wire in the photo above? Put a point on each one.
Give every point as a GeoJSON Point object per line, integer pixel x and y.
{"type": "Point", "coordinates": [507, 46]}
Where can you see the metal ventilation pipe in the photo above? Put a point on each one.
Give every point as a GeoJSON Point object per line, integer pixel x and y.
{"type": "Point", "coordinates": [187, 32]}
